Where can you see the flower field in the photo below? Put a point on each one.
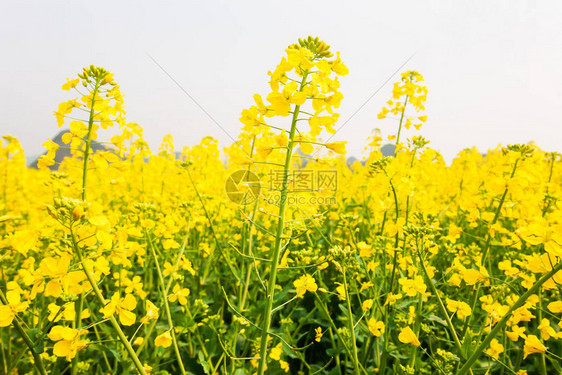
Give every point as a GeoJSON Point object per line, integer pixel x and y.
{"type": "Point", "coordinates": [275, 255]}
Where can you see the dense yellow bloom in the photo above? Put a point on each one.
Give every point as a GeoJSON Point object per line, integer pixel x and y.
{"type": "Point", "coordinates": [487, 227]}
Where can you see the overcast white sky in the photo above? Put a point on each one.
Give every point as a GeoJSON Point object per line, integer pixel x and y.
{"type": "Point", "coordinates": [493, 68]}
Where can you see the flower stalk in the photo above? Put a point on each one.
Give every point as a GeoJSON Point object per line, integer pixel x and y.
{"type": "Point", "coordinates": [278, 236]}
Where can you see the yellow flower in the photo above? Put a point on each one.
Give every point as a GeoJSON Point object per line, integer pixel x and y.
{"type": "Point", "coordinates": [151, 312]}
{"type": "Point", "coordinates": [179, 294]}
{"type": "Point", "coordinates": [305, 283]}
{"type": "Point", "coordinates": [14, 306]}
{"type": "Point", "coordinates": [281, 101]}
{"type": "Point", "coordinates": [367, 304]}
{"type": "Point", "coordinates": [392, 298]}
{"type": "Point", "coordinates": [264, 151]}
{"type": "Point", "coordinates": [70, 84]}
{"type": "Point", "coordinates": [304, 145]}
{"type": "Point", "coordinates": [338, 147]}
{"type": "Point", "coordinates": [341, 292]}
{"type": "Point", "coordinates": [241, 159]}
{"type": "Point", "coordinates": [250, 117]}
{"type": "Point", "coordinates": [413, 286]}
{"type": "Point", "coordinates": [515, 333]}
{"type": "Point", "coordinates": [495, 349]}
{"type": "Point", "coordinates": [164, 340]}
{"type": "Point", "coordinates": [318, 334]}
{"type": "Point", "coordinates": [282, 140]}
{"type": "Point", "coordinates": [284, 365]}
{"type": "Point", "coordinates": [555, 307]}
{"type": "Point", "coordinates": [533, 345]}
{"type": "Point", "coordinates": [366, 285]}
{"type": "Point", "coordinates": [338, 66]}
{"type": "Point", "coordinates": [68, 341]}
{"type": "Point", "coordinates": [546, 330]}
{"type": "Point", "coordinates": [472, 276]}
{"type": "Point", "coordinates": [276, 352]}
{"type": "Point", "coordinates": [299, 57]}
{"type": "Point", "coordinates": [55, 269]}
{"type": "Point", "coordinates": [407, 336]}
{"type": "Point", "coordinates": [462, 309]}
{"type": "Point", "coordinates": [123, 307]}
{"type": "Point", "coordinates": [376, 327]}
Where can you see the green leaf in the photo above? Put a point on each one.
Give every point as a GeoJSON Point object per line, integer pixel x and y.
{"type": "Point", "coordinates": [39, 347]}
{"type": "Point", "coordinates": [106, 349]}
{"type": "Point", "coordinates": [466, 346]}
{"type": "Point", "coordinates": [203, 363]}
{"type": "Point", "coordinates": [435, 318]}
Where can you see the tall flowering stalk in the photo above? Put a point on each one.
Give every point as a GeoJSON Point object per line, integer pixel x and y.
{"type": "Point", "coordinates": [103, 102]}
{"type": "Point", "coordinates": [408, 90]}
{"type": "Point", "coordinates": [304, 76]}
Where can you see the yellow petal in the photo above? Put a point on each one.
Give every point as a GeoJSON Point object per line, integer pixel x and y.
{"type": "Point", "coordinates": [6, 316]}
{"type": "Point", "coordinates": [164, 340]}
{"type": "Point", "coordinates": [127, 318]}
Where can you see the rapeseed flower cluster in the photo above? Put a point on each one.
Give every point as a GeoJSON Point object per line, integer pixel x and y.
{"type": "Point", "coordinates": [129, 258]}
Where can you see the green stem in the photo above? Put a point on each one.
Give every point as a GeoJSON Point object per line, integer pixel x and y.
{"type": "Point", "coordinates": [279, 234]}
{"type": "Point", "coordinates": [400, 126]}
{"type": "Point", "coordinates": [36, 358]}
{"type": "Point", "coordinates": [355, 358]}
{"type": "Point", "coordinates": [80, 301]}
{"type": "Point", "coordinates": [499, 325]}
{"type": "Point", "coordinates": [442, 307]}
{"type": "Point", "coordinates": [112, 319]}
{"type": "Point", "coordinates": [396, 238]}
{"type": "Point", "coordinates": [475, 295]}
{"type": "Point", "coordinates": [166, 305]}
{"type": "Point", "coordinates": [542, 361]}
{"type": "Point", "coordinates": [89, 141]}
